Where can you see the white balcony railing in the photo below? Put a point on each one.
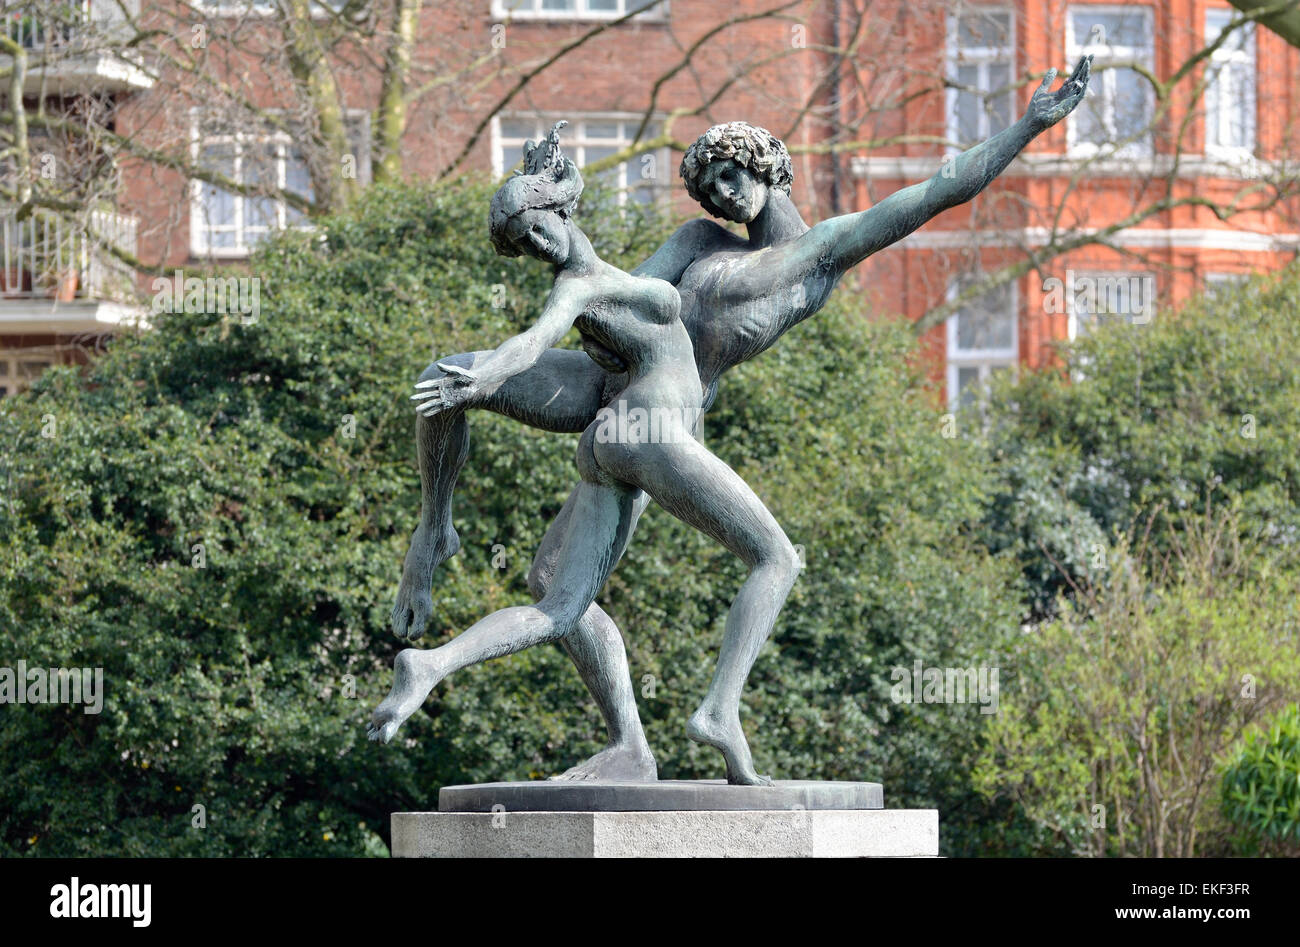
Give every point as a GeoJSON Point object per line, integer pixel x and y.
{"type": "Point", "coordinates": [38, 26]}
{"type": "Point", "coordinates": [45, 257]}
{"type": "Point", "coordinates": [65, 24]}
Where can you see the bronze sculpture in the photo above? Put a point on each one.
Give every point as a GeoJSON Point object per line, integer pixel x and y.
{"type": "Point", "coordinates": [737, 297]}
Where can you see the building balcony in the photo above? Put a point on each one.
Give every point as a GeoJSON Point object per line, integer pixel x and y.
{"type": "Point", "coordinates": [57, 279]}
{"type": "Point", "coordinates": [77, 46]}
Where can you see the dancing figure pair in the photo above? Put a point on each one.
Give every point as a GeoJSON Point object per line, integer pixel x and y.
{"type": "Point", "coordinates": [657, 339]}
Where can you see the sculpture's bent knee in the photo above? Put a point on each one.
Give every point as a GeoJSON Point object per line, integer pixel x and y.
{"type": "Point", "coordinates": [564, 610]}
{"type": "Point", "coordinates": [783, 560]}
{"type": "Point", "coordinates": [539, 579]}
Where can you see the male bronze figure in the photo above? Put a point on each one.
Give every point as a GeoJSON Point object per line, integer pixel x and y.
{"type": "Point", "coordinates": [737, 297]}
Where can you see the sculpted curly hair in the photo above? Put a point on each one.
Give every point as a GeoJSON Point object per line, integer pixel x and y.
{"type": "Point", "coordinates": [549, 181]}
{"type": "Point", "coordinates": [749, 146]}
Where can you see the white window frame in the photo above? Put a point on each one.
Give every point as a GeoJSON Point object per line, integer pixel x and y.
{"type": "Point", "coordinates": [238, 9]}
{"type": "Point", "coordinates": [1227, 102]}
{"type": "Point", "coordinates": [501, 10]}
{"type": "Point", "coordinates": [986, 360]}
{"type": "Point", "coordinates": [199, 246]}
{"type": "Point", "coordinates": [1102, 82]}
{"type": "Point", "coordinates": [1225, 277]}
{"type": "Point", "coordinates": [983, 57]}
{"type": "Point", "coordinates": [629, 122]}
{"type": "Point", "coordinates": [1147, 313]}
{"type": "Point", "coordinates": [1216, 282]}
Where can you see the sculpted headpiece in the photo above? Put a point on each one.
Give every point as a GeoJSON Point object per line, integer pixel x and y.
{"type": "Point", "coordinates": [548, 181]}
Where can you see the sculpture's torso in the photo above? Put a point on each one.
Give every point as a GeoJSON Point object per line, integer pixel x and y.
{"type": "Point", "coordinates": [737, 301]}
{"type": "Point", "coordinates": [632, 328]}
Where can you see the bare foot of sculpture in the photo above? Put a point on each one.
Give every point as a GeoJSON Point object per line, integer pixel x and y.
{"type": "Point", "coordinates": [415, 673]}
{"type": "Point", "coordinates": [414, 605]}
{"type": "Point", "coordinates": [625, 761]}
{"type": "Point", "coordinates": [712, 728]}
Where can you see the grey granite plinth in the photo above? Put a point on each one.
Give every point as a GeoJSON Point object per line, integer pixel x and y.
{"type": "Point", "coordinates": [668, 834]}
{"type": "Point", "coordinates": [684, 795]}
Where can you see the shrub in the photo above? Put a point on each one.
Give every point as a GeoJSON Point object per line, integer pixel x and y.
{"type": "Point", "coordinates": [1129, 699]}
{"type": "Point", "coordinates": [1160, 416]}
{"type": "Point", "coordinates": [1261, 788]}
{"type": "Point", "coordinates": [280, 457]}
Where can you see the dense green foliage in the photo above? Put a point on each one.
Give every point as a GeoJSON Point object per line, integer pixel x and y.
{"type": "Point", "coordinates": [279, 456]}
{"type": "Point", "coordinates": [1151, 497]}
{"type": "Point", "coordinates": [1197, 407]}
{"type": "Point", "coordinates": [1261, 787]}
{"type": "Point", "coordinates": [215, 513]}
{"type": "Point", "coordinates": [1129, 699]}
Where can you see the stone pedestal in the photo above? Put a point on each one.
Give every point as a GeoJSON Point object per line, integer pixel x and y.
{"type": "Point", "coordinates": [708, 819]}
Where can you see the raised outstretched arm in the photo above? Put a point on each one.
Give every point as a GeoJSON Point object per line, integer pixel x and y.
{"type": "Point", "coordinates": [513, 356]}
{"type": "Point", "coordinates": [848, 240]}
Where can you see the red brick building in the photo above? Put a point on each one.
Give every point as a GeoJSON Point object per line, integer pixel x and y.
{"type": "Point", "coordinates": [1176, 173]}
{"type": "Point", "coordinates": [1158, 162]}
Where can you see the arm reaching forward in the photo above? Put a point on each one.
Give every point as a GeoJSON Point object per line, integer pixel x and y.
{"type": "Point", "coordinates": [848, 240]}
{"type": "Point", "coordinates": [515, 355]}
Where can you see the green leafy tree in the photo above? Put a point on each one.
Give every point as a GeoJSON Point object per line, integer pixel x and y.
{"type": "Point", "coordinates": [1149, 493]}
{"type": "Point", "coordinates": [1129, 700]}
{"type": "Point", "coordinates": [215, 512]}
{"type": "Point", "coordinates": [1157, 416]}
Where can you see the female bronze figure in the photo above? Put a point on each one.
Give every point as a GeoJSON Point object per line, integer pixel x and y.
{"type": "Point", "coordinates": [631, 325]}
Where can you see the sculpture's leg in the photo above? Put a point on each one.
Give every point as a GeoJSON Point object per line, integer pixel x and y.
{"type": "Point", "coordinates": [597, 650]}
{"type": "Point", "coordinates": [598, 527]}
{"type": "Point", "coordinates": [442, 444]}
{"type": "Point", "coordinates": [561, 393]}
{"type": "Point", "coordinates": [701, 490]}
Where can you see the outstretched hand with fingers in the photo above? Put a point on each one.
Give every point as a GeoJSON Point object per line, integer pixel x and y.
{"type": "Point", "coordinates": [1047, 108]}
{"type": "Point", "coordinates": [455, 388]}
